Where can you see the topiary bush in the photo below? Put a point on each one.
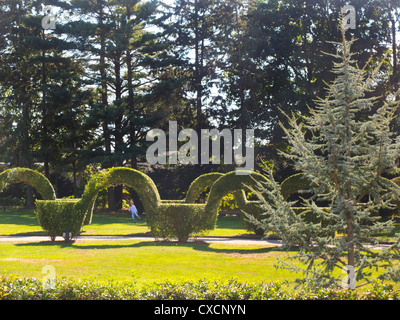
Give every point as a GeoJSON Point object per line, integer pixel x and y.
{"type": "Point", "coordinates": [294, 184]}
{"type": "Point", "coordinates": [35, 179]}
{"type": "Point", "coordinates": [178, 220]}
{"type": "Point", "coordinates": [233, 183]}
{"type": "Point", "coordinates": [199, 185]}
{"type": "Point", "coordinates": [143, 185]}
{"type": "Point", "coordinates": [60, 216]}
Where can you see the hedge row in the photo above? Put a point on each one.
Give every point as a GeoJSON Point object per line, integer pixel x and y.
{"type": "Point", "coordinates": [14, 288]}
{"type": "Point", "coordinates": [166, 219]}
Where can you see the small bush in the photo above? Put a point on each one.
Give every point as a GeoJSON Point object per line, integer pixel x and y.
{"type": "Point", "coordinates": [178, 220]}
{"type": "Point", "coordinates": [59, 216]}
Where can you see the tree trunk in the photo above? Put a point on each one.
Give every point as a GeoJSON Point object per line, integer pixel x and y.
{"type": "Point", "coordinates": [350, 237]}
{"type": "Point", "coordinates": [118, 134]}
{"type": "Point", "coordinates": [104, 99]}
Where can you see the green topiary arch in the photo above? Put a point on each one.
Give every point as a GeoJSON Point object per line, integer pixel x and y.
{"type": "Point", "coordinates": [166, 219]}
{"type": "Point", "coordinates": [143, 185]}
{"type": "Point", "coordinates": [231, 183]}
{"type": "Point", "coordinates": [31, 177]}
{"type": "Point", "coordinates": [200, 184]}
{"type": "Point", "coordinates": [294, 184]}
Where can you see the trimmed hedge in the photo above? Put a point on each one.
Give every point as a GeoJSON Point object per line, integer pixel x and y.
{"type": "Point", "coordinates": [178, 220]}
{"type": "Point", "coordinates": [143, 185]}
{"type": "Point", "coordinates": [233, 183]}
{"type": "Point", "coordinates": [31, 177]}
{"type": "Point", "coordinates": [59, 216]}
{"type": "Point", "coordinates": [14, 288]}
{"type": "Point", "coordinates": [294, 184]}
{"type": "Point", "coordinates": [200, 184]}
{"type": "Point", "coordinates": [69, 215]}
{"type": "Point", "coordinates": [167, 219]}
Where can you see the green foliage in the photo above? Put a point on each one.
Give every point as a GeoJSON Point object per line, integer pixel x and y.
{"type": "Point", "coordinates": [345, 154]}
{"type": "Point", "coordinates": [294, 184]}
{"type": "Point", "coordinates": [140, 182]}
{"type": "Point", "coordinates": [229, 183]}
{"type": "Point", "coordinates": [31, 177]}
{"type": "Point", "coordinates": [15, 288]}
{"type": "Point", "coordinates": [199, 185]}
{"type": "Point", "coordinates": [178, 220]}
{"type": "Point", "coordinates": [59, 216]}
{"type": "Point", "coordinates": [233, 183]}
{"type": "Point", "coordinates": [11, 201]}
{"type": "Point", "coordinates": [396, 180]}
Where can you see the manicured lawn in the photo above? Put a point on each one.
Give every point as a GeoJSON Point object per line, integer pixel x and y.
{"type": "Point", "coordinates": [24, 222]}
{"type": "Point", "coordinates": [143, 261]}
{"type": "Point", "coordinates": [139, 260]}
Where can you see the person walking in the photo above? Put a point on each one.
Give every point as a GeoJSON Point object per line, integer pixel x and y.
{"type": "Point", "coordinates": [133, 210]}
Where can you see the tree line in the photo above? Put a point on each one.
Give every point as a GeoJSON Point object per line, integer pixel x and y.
{"type": "Point", "coordinates": [84, 94]}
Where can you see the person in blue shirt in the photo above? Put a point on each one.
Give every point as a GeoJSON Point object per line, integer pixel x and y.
{"type": "Point", "coordinates": [134, 211]}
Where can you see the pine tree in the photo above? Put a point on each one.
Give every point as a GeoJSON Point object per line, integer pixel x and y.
{"type": "Point", "coordinates": [344, 149]}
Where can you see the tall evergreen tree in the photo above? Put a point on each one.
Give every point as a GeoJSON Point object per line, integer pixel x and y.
{"type": "Point", "coordinates": [344, 157]}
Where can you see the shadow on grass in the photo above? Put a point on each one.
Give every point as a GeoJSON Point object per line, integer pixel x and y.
{"type": "Point", "coordinates": [229, 222]}
{"type": "Point", "coordinates": [198, 246]}
{"type": "Point", "coordinates": [28, 234]}
{"type": "Point", "coordinates": [19, 218]}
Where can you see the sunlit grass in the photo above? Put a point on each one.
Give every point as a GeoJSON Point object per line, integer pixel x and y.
{"type": "Point", "coordinates": [143, 261]}
{"type": "Point", "coordinates": [24, 222]}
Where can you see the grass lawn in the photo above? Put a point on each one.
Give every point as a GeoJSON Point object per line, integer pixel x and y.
{"type": "Point", "coordinates": [24, 222]}
{"type": "Point", "coordinates": [139, 260]}
{"type": "Point", "coordinates": [143, 261]}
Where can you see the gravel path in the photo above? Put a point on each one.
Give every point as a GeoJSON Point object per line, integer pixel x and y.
{"type": "Point", "coordinates": [229, 240]}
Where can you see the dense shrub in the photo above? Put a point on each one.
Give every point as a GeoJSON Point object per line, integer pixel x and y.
{"type": "Point", "coordinates": [14, 288]}
{"type": "Point", "coordinates": [59, 216]}
{"type": "Point", "coordinates": [35, 179]}
{"type": "Point", "coordinates": [199, 185]}
{"type": "Point", "coordinates": [178, 220]}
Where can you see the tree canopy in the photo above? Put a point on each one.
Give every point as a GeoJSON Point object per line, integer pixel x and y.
{"type": "Point", "coordinates": [81, 96]}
